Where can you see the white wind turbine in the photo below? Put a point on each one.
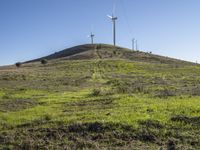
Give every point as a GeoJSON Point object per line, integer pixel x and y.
{"type": "Point", "coordinates": [136, 45]}
{"type": "Point", "coordinates": [133, 44]}
{"type": "Point", "coordinates": [113, 18]}
{"type": "Point", "coordinates": [92, 37]}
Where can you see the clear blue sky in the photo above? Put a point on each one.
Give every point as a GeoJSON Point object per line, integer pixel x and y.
{"type": "Point", "coordinates": [34, 28]}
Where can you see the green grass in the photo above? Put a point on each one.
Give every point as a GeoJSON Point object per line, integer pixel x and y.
{"type": "Point", "coordinates": [115, 94]}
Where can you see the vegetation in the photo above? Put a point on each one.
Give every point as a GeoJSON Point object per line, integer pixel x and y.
{"type": "Point", "coordinates": [101, 103]}
{"type": "Point", "coordinates": [18, 64]}
{"type": "Point", "coordinates": [44, 61]}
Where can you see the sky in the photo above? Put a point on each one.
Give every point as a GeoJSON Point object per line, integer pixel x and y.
{"type": "Point", "coordinates": [34, 28]}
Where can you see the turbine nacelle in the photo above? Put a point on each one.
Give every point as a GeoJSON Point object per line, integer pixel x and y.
{"type": "Point", "coordinates": [112, 17]}
{"type": "Point", "coordinates": [92, 37]}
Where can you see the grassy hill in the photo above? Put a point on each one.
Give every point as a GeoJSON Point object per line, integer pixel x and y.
{"type": "Point", "coordinates": [100, 97]}
{"type": "Point", "coordinates": [105, 51]}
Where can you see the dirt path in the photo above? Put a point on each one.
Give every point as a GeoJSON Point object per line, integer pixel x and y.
{"type": "Point", "coordinates": [98, 74]}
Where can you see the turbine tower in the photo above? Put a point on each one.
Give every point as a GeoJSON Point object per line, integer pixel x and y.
{"type": "Point", "coordinates": [92, 37]}
{"type": "Point", "coordinates": [133, 44]}
{"type": "Point", "coordinates": [136, 45]}
{"type": "Point", "coordinates": [113, 18]}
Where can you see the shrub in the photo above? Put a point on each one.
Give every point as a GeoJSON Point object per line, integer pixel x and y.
{"type": "Point", "coordinates": [43, 61]}
{"type": "Point", "coordinates": [47, 117]}
{"type": "Point", "coordinates": [96, 92]}
{"type": "Point", "coordinates": [18, 64]}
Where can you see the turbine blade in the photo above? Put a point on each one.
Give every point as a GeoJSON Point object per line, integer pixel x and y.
{"type": "Point", "coordinates": [92, 28]}
{"type": "Point", "coordinates": [109, 16]}
{"type": "Point", "coordinates": [114, 7]}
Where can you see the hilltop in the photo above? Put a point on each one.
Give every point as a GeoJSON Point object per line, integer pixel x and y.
{"type": "Point", "coordinates": [100, 97]}
{"type": "Point", "coordinates": [105, 51]}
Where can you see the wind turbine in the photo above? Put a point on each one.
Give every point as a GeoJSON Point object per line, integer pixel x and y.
{"type": "Point", "coordinates": [136, 45]}
{"type": "Point", "coordinates": [133, 44]}
{"type": "Point", "coordinates": [92, 37]}
{"type": "Point", "coordinates": [113, 18]}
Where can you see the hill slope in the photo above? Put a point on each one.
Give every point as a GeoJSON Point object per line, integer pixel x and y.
{"type": "Point", "coordinates": [121, 102]}
{"type": "Point", "coordinates": [104, 51]}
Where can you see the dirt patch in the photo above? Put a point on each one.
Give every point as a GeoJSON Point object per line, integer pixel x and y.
{"type": "Point", "coordinates": [171, 145]}
{"type": "Point", "coordinates": [165, 93]}
{"type": "Point", "coordinates": [7, 105]}
{"type": "Point", "coordinates": [195, 91]}
{"type": "Point", "coordinates": [93, 135]}
{"type": "Point", "coordinates": [151, 124]}
{"type": "Point", "coordinates": [187, 120]}
{"type": "Point", "coordinates": [146, 136]}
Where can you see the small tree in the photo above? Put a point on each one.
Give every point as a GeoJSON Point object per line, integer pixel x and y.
{"type": "Point", "coordinates": [18, 64]}
{"type": "Point", "coordinates": [43, 61]}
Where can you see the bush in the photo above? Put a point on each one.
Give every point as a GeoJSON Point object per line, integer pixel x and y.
{"type": "Point", "coordinates": [43, 61]}
{"type": "Point", "coordinates": [18, 64]}
{"type": "Point", "coordinates": [96, 92]}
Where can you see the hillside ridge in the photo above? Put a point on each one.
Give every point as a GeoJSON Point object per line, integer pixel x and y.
{"type": "Point", "coordinates": [106, 51]}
